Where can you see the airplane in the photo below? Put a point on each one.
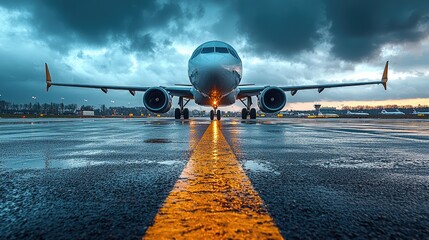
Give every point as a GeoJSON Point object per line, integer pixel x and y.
{"type": "Point", "coordinates": [215, 71]}
{"type": "Point", "coordinates": [357, 113]}
{"type": "Point", "coordinates": [397, 112]}
{"type": "Point", "coordinates": [419, 113]}
{"type": "Point", "coordinates": [303, 114]}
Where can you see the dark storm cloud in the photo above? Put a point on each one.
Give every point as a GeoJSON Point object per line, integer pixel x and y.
{"type": "Point", "coordinates": [94, 22]}
{"type": "Point", "coordinates": [282, 28]}
{"type": "Point", "coordinates": [105, 35]}
{"type": "Point", "coordinates": [358, 28]}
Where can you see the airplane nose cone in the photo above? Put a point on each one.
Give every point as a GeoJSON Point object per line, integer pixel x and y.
{"type": "Point", "coordinates": [215, 73]}
{"type": "Point", "coordinates": [217, 80]}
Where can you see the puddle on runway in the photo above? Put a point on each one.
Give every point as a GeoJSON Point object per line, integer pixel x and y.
{"type": "Point", "coordinates": [157, 140]}
{"type": "Point", "coordinates": [400, 161]}
{"type": "Point", "coordinates": [411, 177]}
{"type": "Point", "coordinates": [38, 164]}
{"type": "Point", "coordinates": [355, 164]}
{"type": "Point", "coordinates": [256, 166]}
{"type": "Point", "coordinates": [170, 162]}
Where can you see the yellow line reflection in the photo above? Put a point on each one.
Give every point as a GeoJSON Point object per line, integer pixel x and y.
{"type": "Point", "coordinates": [213, 198]}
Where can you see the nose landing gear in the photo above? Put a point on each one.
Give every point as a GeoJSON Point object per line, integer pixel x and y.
{"type": "Point", "coordinates": [181, 110]}
{"type": "Point", "coordinates": [215, 112]}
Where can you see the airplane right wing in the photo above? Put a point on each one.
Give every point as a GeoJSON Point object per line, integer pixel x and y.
{"type": "Point", "coordinates": [253, 91]}
{"type": "Point", "coordinates": [180, 91]}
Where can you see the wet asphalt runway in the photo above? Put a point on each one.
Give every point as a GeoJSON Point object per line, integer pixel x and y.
{"type": "Point", "coordinates": [320, 178]}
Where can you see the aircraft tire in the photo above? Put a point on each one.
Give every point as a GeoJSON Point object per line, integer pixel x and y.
{"type": "Point", "coordinates": [244, 113]}
{"type": "Point", "coordinates": [211, 115]}
{"type": "Point", "coordinates": [218, 115]}
{"type": "Point", "coordinates": [177, 113]}
{"type": "Point", "coordinates": [252, 113]}
{"type": "Point", "coordinates": [185, 113]}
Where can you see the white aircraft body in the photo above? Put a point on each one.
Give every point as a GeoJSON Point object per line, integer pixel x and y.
{"type": "Point", "coordinates": [328, 115]}
{"type": "Point", "coordinates": [303, 114]}
{"type": "Point", "coordinates": [357, 113]}
{"type": "Point", "coordinates": [215, 72]}
{"type": "Point", "coordinates": [397, 112]}
{"type": "Point", "coordinates": [420, 113]}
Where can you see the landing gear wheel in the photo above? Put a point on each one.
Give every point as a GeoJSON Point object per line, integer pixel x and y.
{"type": "Point", "coordinates": [218, 116]}
{"type": "Point", "coordinates": [211, 115]}
{"type": "Point", "coordinates": [244, 113]}
{"type": "Point", "coordinates": [185, 113]}
{"type": "Point", "coordinates": [177, 113]}
{"type": "Point", "coordinates": [252, 113]}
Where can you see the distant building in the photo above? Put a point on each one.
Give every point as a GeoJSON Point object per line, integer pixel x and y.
{"type": "Point", "coordinates": [84, 113]}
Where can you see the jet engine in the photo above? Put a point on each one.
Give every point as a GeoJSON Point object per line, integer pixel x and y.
{"type": "Point", "coordinates": [157, 100]}
{"type": "Point", "coordinates": [271, 99]}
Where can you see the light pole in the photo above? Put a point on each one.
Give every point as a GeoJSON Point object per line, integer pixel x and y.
{"type": "Point", "coordinates": [34, 104]}
{"type": "Point", "coordinates": [113, 109]}
{"type": "Point", "coordinates": [85, 101]}
{"type": "Point", "coordinates": [62, 105]}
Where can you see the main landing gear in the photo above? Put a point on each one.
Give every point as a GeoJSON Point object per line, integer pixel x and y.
{"type": "Point", "coordinates": [247, 110]}
{"type": "Point", "coordinates": [181, 110]}
{"type": "Point", "coordinates": [212, 114]}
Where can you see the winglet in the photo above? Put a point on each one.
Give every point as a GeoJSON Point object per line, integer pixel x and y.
{"type": "Point", "coordinates": [48, 77]}
{"type": "Point", "coordinates": [384, 78]}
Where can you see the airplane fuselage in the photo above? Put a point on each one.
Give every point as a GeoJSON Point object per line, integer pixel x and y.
{"type": "Point", "coordinates": [215, 71]}
{"type": "Point", "coordinates": [384, 112]}
{"type": "Point", "coordinates": [417, 113]}
{"type": "Point", "coordinates": [357, 113]}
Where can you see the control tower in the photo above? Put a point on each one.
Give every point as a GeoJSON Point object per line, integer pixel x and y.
{"type": "Point", "coordinates": [317, 109]}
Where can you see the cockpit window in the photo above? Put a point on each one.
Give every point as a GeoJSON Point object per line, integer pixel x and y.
{"type": "Point", "coordinates": [196, 52]}
{"type": "Point", "coordinates": [207, 50]}
{"type": "Point", "coordinates": [233, 53]}
{"type": "Point", "coordinates": [221, 50]}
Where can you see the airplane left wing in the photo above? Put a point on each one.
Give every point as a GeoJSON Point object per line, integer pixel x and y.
{"type": "Point", "coordinates": [179, 91]}
{"type": "Point", "coordinates": [252, 91]}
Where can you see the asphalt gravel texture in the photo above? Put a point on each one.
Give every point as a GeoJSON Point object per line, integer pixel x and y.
{"type": "Point", "coordinates": [320, 178]}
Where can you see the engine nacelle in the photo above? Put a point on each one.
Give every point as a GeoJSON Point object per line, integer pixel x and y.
{"type": "Point", "coordinates": [157, 100]}
{"type": "Point", "coordinates": [271, 99]}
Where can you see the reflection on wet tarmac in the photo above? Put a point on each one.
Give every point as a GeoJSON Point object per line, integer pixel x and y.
{"type": "Point", "coordinates": [339, 178]}
{"type": "Point", "coordinates": [317, 178]}
{"type": "Point", "coordinates": [213, 198]}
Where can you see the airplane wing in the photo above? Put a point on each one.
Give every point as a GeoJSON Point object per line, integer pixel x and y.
{"type": "Point", "coordinates": [252, 91]}
{"type": "Point", "coordinates": [180, 91]}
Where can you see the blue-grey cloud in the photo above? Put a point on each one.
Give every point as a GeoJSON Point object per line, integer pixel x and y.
{"type": "Point", "coordinates": [357, 28]}
{"type": "Point", "coordinates": [281, 28]}
{"type": "Point", "coordinates": [283, 32]}
{"type": "Point", "coordinates": [360, 28]}
{"type": "Point", "coordinates": [64, 24]}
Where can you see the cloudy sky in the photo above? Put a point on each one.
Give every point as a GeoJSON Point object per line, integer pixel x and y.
{"type": "Point", "coordinates": [287, 42]}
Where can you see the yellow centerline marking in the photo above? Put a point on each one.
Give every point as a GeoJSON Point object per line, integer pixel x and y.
{"type": "Point", "coordinates": [213, 198]}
